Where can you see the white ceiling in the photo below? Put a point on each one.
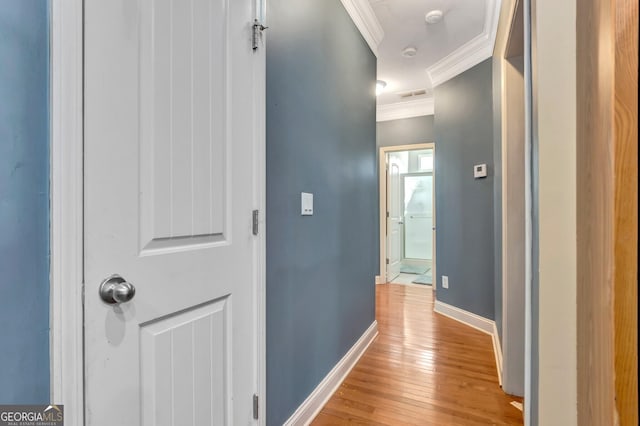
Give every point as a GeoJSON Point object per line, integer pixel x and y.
{"type": "Point", "coordinates": [404, 26]}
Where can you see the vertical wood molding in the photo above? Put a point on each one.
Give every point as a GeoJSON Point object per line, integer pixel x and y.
{"type": "Point", "coordinates": [625, 218]}
{"type": "Point", "coordinates": [595, 59]}
{"type": "Point", "coordinates": [607, 57]}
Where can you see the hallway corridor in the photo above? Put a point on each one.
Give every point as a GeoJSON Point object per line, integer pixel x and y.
{"type": "Point", "coordinates": [423, 369]}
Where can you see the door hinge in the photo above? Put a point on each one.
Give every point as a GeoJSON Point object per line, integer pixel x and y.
{"type": "Point", "coordinates": [258, 28]}
{"type": "Point", "coordinates": [387, 260]}
{"type": "Point", "coordinates": [255, 406]}
{"type": "Point", "coordinates": [256, 216]}
{"type": "Point", "coordinates": [387, 214]}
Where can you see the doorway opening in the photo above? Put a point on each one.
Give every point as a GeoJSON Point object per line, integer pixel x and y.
{"type": "Point", "coordinates": [407, 206]}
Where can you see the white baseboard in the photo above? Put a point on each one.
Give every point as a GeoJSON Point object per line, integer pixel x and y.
{"type": "Point", "coordinates": [311, 406]}
{"type": "Point", "coordinates": [497, 350]}
{"type": "Point", "coordinates": [466, 317]}
{"type": "Point", "coordinates": [479, 323]}
{"type": "Point", "coordinates": [379, 279]}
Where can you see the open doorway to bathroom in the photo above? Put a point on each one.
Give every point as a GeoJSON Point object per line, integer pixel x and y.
{"type": "Point", "coordinates": [407, 225]}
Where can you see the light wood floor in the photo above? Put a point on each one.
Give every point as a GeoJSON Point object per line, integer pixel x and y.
{"type": "Point", "coordinates": [422, 369]}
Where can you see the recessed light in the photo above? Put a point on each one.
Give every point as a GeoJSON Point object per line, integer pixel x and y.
{"type": "Point", "coordinates": [433, 17]}
{"type": "Point", "coordinates": [409, 52]}
{"type": "Point", "coordinates": [380, 85]}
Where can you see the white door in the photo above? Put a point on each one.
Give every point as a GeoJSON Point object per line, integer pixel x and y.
{"type": "Point", "coordinates": [394, 220]}
{"type": "Point", "coordinates": [172, 111]}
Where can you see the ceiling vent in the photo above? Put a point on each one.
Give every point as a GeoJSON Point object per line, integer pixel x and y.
{"type": "Point", "coordinates": [412, 94]}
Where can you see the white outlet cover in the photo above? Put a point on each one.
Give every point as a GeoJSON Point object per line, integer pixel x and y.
{"type": "Point", "coordinates": [445, 281]}
{"type": "Point", "coordinates": [306, 204]}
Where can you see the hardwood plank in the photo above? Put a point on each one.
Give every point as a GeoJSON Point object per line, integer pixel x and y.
{"type": "Point", "coordinates": [423, 368]}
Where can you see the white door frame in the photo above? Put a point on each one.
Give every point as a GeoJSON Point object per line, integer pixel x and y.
{"type": "Point", "coordinates": [382, 160]}
{"type": "Point", "coordinates": [66, 338]}
{"type": "Point", "coordinates": [66, 226]}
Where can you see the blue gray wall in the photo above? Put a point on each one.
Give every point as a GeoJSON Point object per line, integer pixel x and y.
{"type": "Point", "coordinates": [24, 201]}
{"type": "Point", "coordinates": [463, 129]}
{"type": "Point", "coordinates": [406, 131]}
{"type": "Point", "coordinates": [321, 138]}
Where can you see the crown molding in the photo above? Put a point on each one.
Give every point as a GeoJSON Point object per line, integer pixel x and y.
{"type": "Point", "coordinates": [471, 53]}
{"type": "Point", "coordinates": [362, 15]}
{"type": "Point", "coordinates": [406, 109]}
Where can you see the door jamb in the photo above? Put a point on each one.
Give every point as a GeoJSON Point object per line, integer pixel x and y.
{"type": "Point", "coordinates": [382, 185]}
{"type": "Point", "coordinates": [510, 311]}
{"type": "Point", "coordinates": [66, 227]}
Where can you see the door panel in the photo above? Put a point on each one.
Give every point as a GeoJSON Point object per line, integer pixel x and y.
{"type": "Point", "coordinates": [189, 350]}
{"type": "Point", "coordinates": [169, 190]}
{"type": "Point", "coordinates": [394, 220]}
{"type": "Point", "coordinates": [184, 127]}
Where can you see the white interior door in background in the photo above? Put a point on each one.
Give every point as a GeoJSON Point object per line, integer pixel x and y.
{"type": "Point", "coordinates": [394, 219]}
{"type": "Point", "coordinates": [172, 136]}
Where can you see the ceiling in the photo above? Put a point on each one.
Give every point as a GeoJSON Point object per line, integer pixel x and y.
{"type": "Point", "coordinates": [403, 22]}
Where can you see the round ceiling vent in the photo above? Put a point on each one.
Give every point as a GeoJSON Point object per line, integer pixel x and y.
{"type": "Point", "coordinates": [433, 17]}
{"type": "Point", "coordinates": [409, 52]}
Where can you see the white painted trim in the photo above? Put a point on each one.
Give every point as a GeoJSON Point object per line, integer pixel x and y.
{"type": "Point", "coordinates": [379, 280]}
{"type": "Point", "coordinates": [382, 212]}
{"type": "Point", "coordinates": [311, 406]}
{"type": "Point", "coordinates": [469, 318]}
{"type": "Point", "coordinates": [66, 348]}
{"type": "Point", "coordinates": [513, 209]}
{"type": "Point", "coordinates": [497, 351]}
{"type": "Point", "coordinates": [471, 53]}
{"type": "Point", "coordinates": [259, 200]}
{"type": "Point", "coordinates": [362, 15]}
{"type": "Point", "coordinates": [406, 109]}
{"type": "Point", "coordinates": [501, 50]}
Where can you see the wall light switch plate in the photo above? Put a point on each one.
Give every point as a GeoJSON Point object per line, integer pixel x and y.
{"type": "Point", "coordinates": [306, 204]}
{"type": "Point", "coordinates": [480, 171]}
{"type": "Point", "coordinates": [445, 281]}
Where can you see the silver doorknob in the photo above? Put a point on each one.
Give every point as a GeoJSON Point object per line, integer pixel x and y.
{"type": "Point", "coordinates": [115, 290]}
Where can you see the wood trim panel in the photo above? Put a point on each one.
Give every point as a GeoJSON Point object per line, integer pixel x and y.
{"type": "Point", "coordinates": [625, 216]}
{"type": "Point", "coordinates": [594, 60]}
{"type": "Point", "coordinates": [607, 64]}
